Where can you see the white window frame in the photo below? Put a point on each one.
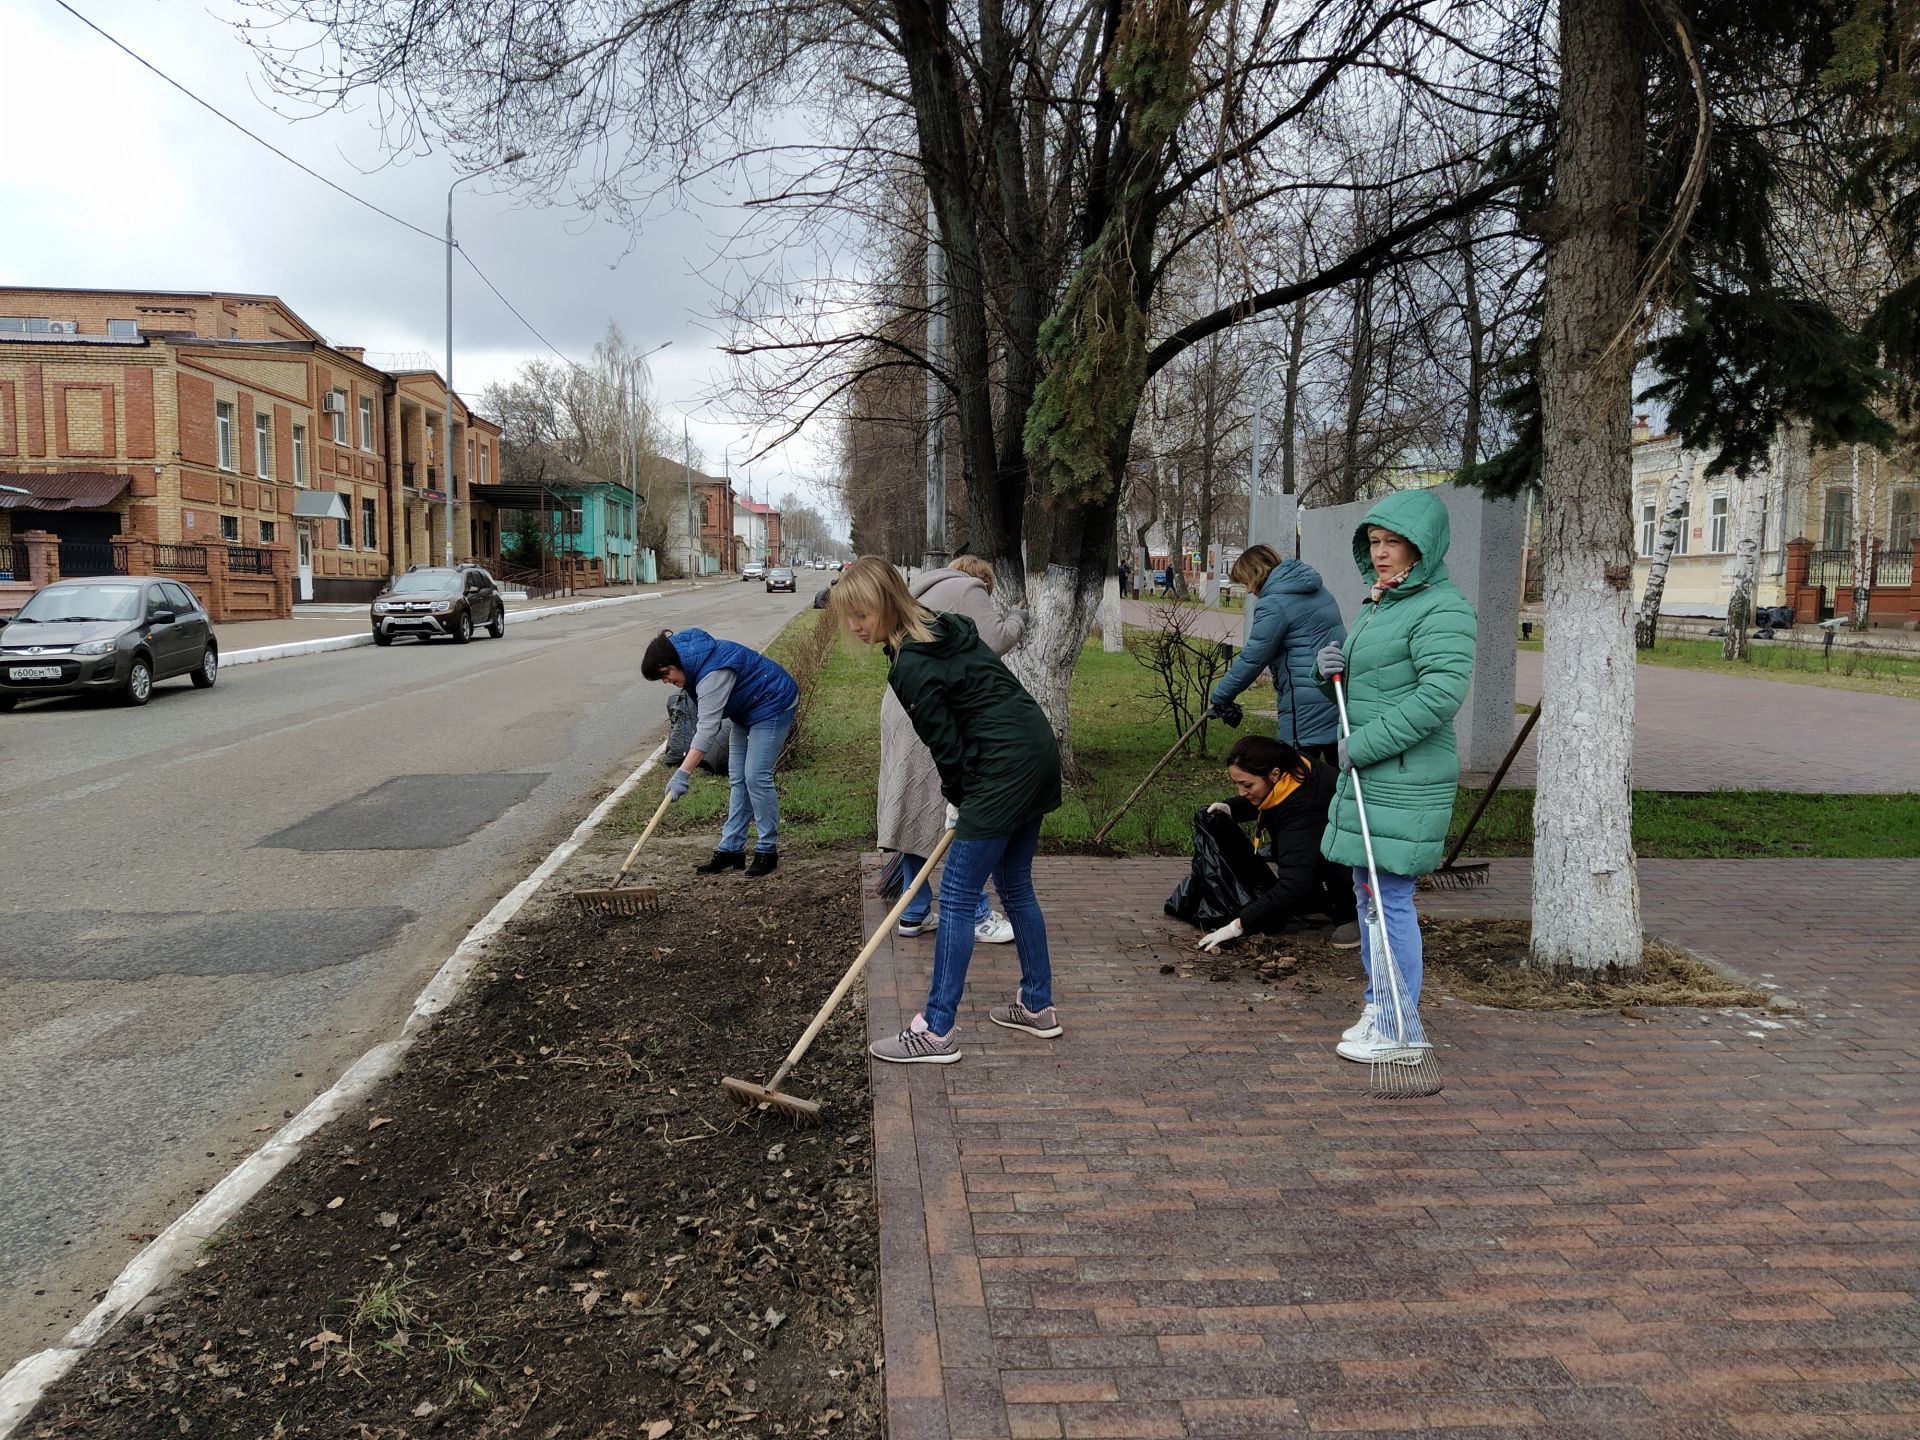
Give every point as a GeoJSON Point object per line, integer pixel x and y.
{"type": "Point", "coordinates": [1717, 518]}
{"type": "Point", "coordinates": [300, 456]}
{"type": "Point", "coordinates": [1683, 542]}
{"type": "Point", "coordinates": [263, 444]}
{"type": "Point", "coordinates": [230, 523]}
{"type": "Point", "coordinates": [339, 418]}
{"type": "Point", "coordinates": [130, 329]}
{"type": "Point", "coordinates": [1844, 510]}
{"type": "Point", "coordinates": [223, 433]}
{"type": "Point", "coordinates": [366, 423]}
{"type": "Point", "coordinates": [1649, 524]}
{"type": "Point", "coordinates": [486, 470]}
{"type": "Point", "coordinates": [1912, 497]}
{"type": "Point", "coordinates": [369, 523]}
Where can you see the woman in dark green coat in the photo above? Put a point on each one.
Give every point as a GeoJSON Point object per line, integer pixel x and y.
{"type": "Point", "coordinates": [1407, 663]}
{"type": "Point", "coordinates": [999, 769]}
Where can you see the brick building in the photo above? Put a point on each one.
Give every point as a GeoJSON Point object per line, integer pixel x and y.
{"type": "Point", "coordinates": [716, 508]}
{"type": "Point", "coordinates": [185, 420]}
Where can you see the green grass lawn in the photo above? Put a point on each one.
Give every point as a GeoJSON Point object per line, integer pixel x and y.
{"type": "Point", "coordinates": [827, 789]}
{"type": "Point", "coordinates": [1862, 671]}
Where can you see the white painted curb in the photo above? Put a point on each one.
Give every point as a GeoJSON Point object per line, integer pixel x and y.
{"type": "Point", "coordinates": [172, 1250]}
{"type": "Point", "coordinates": [364, 637]}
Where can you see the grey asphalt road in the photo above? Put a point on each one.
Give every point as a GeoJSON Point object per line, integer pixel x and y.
{"type": "Point", "coordinates": [211, 906]}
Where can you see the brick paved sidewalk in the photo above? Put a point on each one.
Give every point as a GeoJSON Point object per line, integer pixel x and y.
{"type": "Point", "coordinates": [1700, 731]}
{"type": "Point", "coordinates": [1183, 1219]}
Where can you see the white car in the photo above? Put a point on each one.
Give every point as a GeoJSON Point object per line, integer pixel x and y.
{"type": "Point", "coordinates": [754, 570]}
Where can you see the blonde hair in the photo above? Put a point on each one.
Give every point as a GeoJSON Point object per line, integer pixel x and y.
{"type": "Point", "coordinates": [873, 585]}
{"type": "Point", "coordinates": [976, 567]}
{"type": "Point", "coordinates": [1256, 562]}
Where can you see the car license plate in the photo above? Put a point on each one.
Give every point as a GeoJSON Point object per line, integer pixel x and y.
{"type": "Point", "coordinates": [34, 672]}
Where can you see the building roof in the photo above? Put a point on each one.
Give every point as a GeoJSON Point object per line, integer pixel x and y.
{"type": "Point", "coordinates": [755, 507]}
{"type": "Point", "coordinates": [60, 489]}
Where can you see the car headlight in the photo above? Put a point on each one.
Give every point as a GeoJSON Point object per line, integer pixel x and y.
{"type": "Point", "coordinates": [380, 607]}
{"type": "Point", "coordinates": [97, 647]}
{"type": "Point", "coordinates": [440, 607]}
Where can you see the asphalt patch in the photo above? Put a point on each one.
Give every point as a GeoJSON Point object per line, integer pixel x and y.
{"type": "Point", "coordinates": [141, 944]}
{"type": "Point", "coordinates": [409, 812]}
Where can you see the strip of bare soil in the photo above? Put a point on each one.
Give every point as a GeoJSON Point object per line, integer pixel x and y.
{"type": "Point", "coordinates": [551, 1222]}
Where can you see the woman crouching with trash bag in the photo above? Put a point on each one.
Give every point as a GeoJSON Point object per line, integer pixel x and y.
{"type": "Point", "coordinates": [1284, 795]}
{"type": "Point", "coordinates": [1405, 666]}
{"type": "Point", "coordinates": [999, 769]}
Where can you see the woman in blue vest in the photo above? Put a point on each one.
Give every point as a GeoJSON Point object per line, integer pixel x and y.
{"type": "Point", "coordinates": [756, 696]}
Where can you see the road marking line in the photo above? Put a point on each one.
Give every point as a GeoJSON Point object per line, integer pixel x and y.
{"type": "Point", "coordinates": [365, 637]}
{"type": "Point", "coordinates": [169, 1253]}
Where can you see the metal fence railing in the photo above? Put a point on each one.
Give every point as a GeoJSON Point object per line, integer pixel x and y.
{"type": "Point", "coordinates": [183, 559]}
{"type": "Point", "coordinates": [1894, 568]}
{"type": "Point", "coordinates": [245, 560]}
{"type": "Point", "coordinates": [81, 558]}
{"type": "Point", "coordinates": [14, 561]}
{"type": "Point", "coordinates": [1830, 569]}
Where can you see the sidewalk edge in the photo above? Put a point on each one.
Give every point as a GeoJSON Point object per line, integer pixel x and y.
{"type": "Point", "coordinates": [354, 641]}
{"type": "Point", "coordinates": [169, 1253]}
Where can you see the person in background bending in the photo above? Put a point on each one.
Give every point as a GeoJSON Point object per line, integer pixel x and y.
{"type": "Point", "coordinates": [1291, 619]}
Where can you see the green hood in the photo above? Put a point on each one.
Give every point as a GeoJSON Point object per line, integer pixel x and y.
{"type": "Point", "coordinates": [1421, 517]}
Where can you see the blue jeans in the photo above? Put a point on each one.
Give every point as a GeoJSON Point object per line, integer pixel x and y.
{"type": "Point", "coordinates": [1403, 934]}
{"type": "Point", "coordinates": [751, 751]}
{"type": "Point", "coordinates": [918, 907]}
{"type": "Point", "coordinates": [1009, 860]}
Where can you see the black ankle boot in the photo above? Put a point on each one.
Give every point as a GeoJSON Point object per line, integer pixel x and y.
{"type": "Point", "coordinates": [722, 860]}
{"type": "Point", "coordinates": [763, 862]}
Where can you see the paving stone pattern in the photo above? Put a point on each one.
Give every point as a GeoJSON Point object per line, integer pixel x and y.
{"type": "Point", "coordinates": [1183, 1218]}
{"type": "Point", "coordinates": [1699, 731]}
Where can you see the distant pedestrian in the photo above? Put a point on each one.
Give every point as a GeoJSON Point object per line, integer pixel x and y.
{"type": "Point", "coordinates": [1407, 664]}
{"type": "Point", "coordinates": [1292, 618]}
{"type": "Point", "coordinates": [739, 687]}
{"type": "Point", "coordinates": [999, 770]}
{"type": "Point", "coordinates": [1126, 581]}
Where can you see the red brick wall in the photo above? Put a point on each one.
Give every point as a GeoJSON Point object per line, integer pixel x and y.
{"type": "Point", "coordinates": [36, 410]}
{"type": "Point", "coordinates": [198, 443]}
{"type": "Point", "coordinates": [139, 391]}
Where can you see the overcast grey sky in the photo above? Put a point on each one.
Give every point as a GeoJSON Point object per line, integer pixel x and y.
{"type": "Point", "coordinates": [126, 183]}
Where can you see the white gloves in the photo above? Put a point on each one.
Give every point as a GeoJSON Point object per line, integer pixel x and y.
{"type": "Point", "coordinates": [1220, 807]}
{"type": "Point", "coordinates": [953, 817]}
{"type": "Point", "coordinates": [1229, 931]}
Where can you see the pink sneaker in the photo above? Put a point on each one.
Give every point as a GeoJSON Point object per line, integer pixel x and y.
{"type": "Point", "coordinates": [1016, 1016]}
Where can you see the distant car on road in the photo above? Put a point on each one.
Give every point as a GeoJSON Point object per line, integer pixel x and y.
{"type": "Point", "coordinates": [754, 570]}
{"type": "Point", "coordinates": [429, 600]}
{"type": "Point", "coordinates": [781, 578]}
{"type": "Point", "coordinates": [115, 635]}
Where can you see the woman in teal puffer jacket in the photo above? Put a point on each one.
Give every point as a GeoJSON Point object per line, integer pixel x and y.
{"type": "Point", "coordinates": [1407, 661]}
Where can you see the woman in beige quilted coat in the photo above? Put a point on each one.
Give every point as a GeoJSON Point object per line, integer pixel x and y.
{"type": "Point", "coordinates": [911, 811]}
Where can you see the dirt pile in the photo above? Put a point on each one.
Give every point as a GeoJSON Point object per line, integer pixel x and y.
{"type": "Point", "coordinates": [551, 1222]}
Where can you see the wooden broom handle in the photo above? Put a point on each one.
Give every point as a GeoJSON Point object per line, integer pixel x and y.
{"type": "Point", "coordinates": [1493, 788]}
{"type": "Point", "coordinates": [859, 964]}
{"type": "Point", "coordinates": [645, 835]}
{"type": "Point", "coordinates": [1126, 805]}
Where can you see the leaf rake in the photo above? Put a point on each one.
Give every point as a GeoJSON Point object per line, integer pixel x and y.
{"type": "Point", "coordinates": [618, 899]}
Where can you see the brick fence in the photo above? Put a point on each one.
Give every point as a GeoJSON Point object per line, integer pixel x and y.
{"type": "Point", "coordinates": [232, 582]}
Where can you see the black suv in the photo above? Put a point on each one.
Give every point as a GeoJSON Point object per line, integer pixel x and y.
{"type": "Point", "coordinates": [434, 600]}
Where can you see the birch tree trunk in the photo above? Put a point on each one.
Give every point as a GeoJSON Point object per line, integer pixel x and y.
{"type": "Point", "coordinates": [1663, 547]}
{"type": "Point", "coordinates": [1862, 548]}
{"type": "Point", "coordinates": [1112, 625]}
{"type": "Point", "coordinates": [1746, 564]}
{"type": "Point", "coordinates": [1586, 900]}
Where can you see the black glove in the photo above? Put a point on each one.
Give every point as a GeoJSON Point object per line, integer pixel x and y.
{"type": "Point", "coordinates": [1227, 711]}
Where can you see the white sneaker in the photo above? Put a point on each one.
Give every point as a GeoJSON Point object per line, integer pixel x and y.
{"type": "Point", "coordinates": [925, 926]}
{"type": "Point", "coordinates": [1369, 1018]}
{"type": "Point", "coordinates": [1369, 1046]}
{"type": "Point", "coordinates": [996, 929]}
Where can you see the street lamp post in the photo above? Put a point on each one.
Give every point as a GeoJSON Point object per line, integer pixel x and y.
{"type": "Point", "coordinates": [446, 413]}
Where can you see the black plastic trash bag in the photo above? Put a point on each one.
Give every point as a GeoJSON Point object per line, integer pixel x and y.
{"type": "Point", "coordinates": [682, 715]}
{"type": "Point", "coordinates": [1218, 888]}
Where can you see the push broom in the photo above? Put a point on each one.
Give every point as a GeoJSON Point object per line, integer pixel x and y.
{"type": "Point", "coordinates": [747, 1093]}
{"type": "Point", "coordinates": [617, 899]}
{"type": "Point", "coordinates": [1406, 1069]}
{"type": "Point", "coordinates": [1100, 835]}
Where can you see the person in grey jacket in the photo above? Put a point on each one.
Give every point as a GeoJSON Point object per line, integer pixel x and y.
{"type": "Point", "coordinates": [1293, 618]}
{"type": "Point", "coordinates": [911, 809]}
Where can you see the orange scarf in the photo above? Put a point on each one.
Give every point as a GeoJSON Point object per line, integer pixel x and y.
{"type": "Point", "coordinates": [1284, 787]}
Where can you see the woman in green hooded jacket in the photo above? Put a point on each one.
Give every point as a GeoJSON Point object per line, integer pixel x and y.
{"type": "Point", "coordinates": [1406, 662]}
